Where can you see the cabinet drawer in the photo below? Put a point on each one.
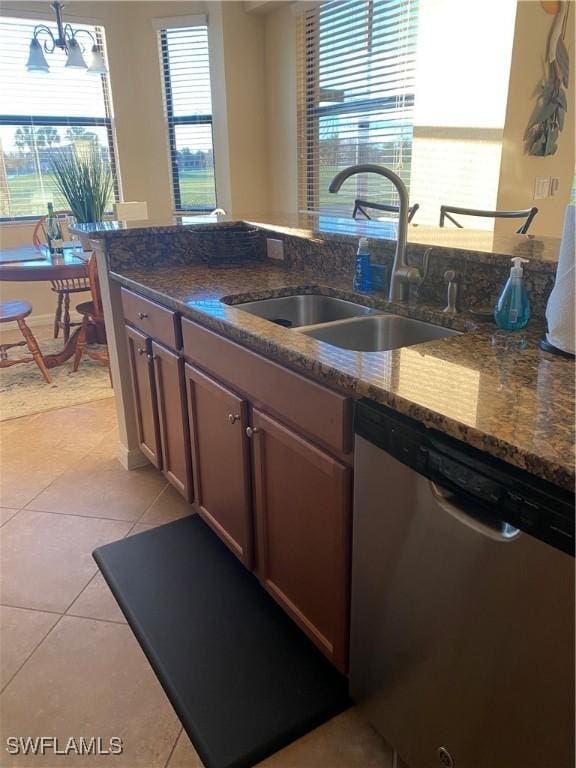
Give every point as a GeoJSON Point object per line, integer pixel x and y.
{"type": "Point", "coordinates": [312, 409]}
{"type": "Point", "coordinates": [156, 321]}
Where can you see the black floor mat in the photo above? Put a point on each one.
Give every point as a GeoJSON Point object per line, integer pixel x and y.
{"type": "Point", "coordinates": [243, 679]}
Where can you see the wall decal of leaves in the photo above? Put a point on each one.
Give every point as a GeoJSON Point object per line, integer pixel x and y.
{"type": "Point", "coordinates": [547, 120]}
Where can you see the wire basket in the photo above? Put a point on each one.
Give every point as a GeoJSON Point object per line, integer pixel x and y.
{"type": "Point", "coordinates": [224, 245]}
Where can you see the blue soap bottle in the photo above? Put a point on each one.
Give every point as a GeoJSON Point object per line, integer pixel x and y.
{"type": "Point", "coordinates": [512, 311]}
{"type": "Point", "coordinates": [362, 267]}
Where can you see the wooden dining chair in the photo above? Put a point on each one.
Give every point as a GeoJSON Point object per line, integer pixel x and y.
{"type": "Point", "coordinates": [92, 314]}
{"type": "Point", "coordinates": [62, 288]}
{"type": "Point", "coordinates": [446, 212]}
{"type": "Point", "coordinates": [360, 206]}
{"type": "Point", "coordinates": [17, 311]}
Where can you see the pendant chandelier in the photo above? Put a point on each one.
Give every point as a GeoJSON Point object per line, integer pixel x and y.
{"type": "Point", "coordinates": [65, 38]}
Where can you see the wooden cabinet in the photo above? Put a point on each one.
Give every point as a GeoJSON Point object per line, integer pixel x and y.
{"type": "Point", "coordinates": [304, 405]}
{"type": "Point", "coordinates": [299, 512]}
{"type": "Point", "coordinates": [161, 411]}
{"type": "Point", "coordinates": [153, 319]}
{"type": "Point", "coordinates": [139, 354]}
{"type": "Point", "coordinates": [218, 421]}
{"type": "Point", "coordinates": [264, 452]}
{"type": "Point", "coordinates": [303, 526]}
{"type": "Point", "coordinates": [172, 418]}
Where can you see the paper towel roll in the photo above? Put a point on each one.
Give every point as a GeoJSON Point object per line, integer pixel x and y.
{"type": "Point", "coordinates": [560, 308]}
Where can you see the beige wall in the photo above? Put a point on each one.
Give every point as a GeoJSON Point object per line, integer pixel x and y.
{"type": "Point", "coordinates": [519, 170]}
{"type": "Point", "coordinates": [244, 86]}
{"type": "Point", "coordinates": [239, 96]}
{"type": "Point", "coordinates": [280, 65]}
{"type": "Point", "coordinates": [452, 164]}
{"type": "Point", "coordinates": [253, 63]}
{"type": "Point", "coordinates": [135, 77]}
{"type": "Point", "coordinates": [237, 59]}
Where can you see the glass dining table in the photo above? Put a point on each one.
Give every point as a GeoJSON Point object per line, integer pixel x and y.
{"type": "Point", "coordinates": [28, 263]}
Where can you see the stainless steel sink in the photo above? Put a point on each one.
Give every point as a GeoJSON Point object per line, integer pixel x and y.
{"type": "Point", "coordinates": [378, 333]}
{"type": "Point", "coordinates": [305, 309]}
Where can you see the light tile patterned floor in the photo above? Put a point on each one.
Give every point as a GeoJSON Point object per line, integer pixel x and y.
{"type": "Point", "coordinates": [69, 664]}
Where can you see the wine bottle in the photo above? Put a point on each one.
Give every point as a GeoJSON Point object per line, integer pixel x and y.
{"type": "Point", "coordinates": [53, 231]}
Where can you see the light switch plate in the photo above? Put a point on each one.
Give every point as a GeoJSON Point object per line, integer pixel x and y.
{"type": "Point", "coordinates": [541, 187]}
{"type": "Point", "coordinates": [275, 249]}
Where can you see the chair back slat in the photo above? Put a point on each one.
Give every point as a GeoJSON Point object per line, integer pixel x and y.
{"type": "Point", "coordinates": [528, 215]}
{"type": "Point", "coordinates": [71, 284]}
{"type": "Point", "coordinates": [361, 206]}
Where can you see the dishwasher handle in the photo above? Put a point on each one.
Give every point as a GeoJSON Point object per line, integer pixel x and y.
{"type": "Point", "coordinates": [474, 518]}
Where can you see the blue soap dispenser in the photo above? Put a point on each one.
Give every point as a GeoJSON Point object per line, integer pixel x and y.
{"type": "Point", "coordinates": [512, 311]}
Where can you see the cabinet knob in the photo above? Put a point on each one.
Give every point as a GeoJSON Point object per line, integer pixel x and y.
{"type": "Point", "coordinates": [142, 315]}
{"type": "Point", "coordinates": [233, 418]}
{"type": "Point", "coordinates": [141, 351]}
{"type": "Point", "coordinates": [152, 357]}
{"type": "Point", "coordinates": [251, 431]}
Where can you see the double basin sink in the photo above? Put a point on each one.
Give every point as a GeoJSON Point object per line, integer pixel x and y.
{"type": "Point", "coordinates": [345, 324]}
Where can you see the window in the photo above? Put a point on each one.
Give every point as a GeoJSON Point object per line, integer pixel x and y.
{"type": "Point", "coordinates": [406, 84]}
{"type": "Point", "coordinates": [188, 104]}
{"type": "Point", "coordinates": [357, 83]}
{"type": "Point", "coordinates": [460, 107]}
{"type": "Point", "coordinates": [63, 110]}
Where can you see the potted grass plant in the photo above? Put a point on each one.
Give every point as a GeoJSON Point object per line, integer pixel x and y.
{"type": "Point", "coordinates": [85, 181]}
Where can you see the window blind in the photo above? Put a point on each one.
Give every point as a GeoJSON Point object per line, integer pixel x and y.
{"type": "Point", "coordinates": [356, 99]}
{"type": "Point", "coordinates": [41, 113]}
{"type": "Point", "coordinates": [188, 102]}
{"type": "Point", "coordinates": [460, 107]}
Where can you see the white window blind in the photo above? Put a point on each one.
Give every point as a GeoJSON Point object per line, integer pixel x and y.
{"type": "Point", "coordinates": [356, 85]}
{"type": "Point", "coordinates": [460, 107]}
{"type": "Point", "coordinates": [188, 102]}
{"type": "Point", "coordinates": [62, 110]}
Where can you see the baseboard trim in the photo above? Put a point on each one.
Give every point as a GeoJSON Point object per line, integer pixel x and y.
{"type": "Point", "coordinates": [131, 458]}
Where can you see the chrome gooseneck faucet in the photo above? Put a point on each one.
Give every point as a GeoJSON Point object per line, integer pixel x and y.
{"type": "Point", "coordinates": [402, 273]}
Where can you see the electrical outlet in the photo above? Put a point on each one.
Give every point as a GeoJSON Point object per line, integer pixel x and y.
{"type": "Point", "coordinates": [275, 249]}
{"type": "Point", "coordinates": [541, 187]}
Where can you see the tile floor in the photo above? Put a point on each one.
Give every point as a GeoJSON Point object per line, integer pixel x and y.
{"type": "Point", "coordinates": [69, 664]}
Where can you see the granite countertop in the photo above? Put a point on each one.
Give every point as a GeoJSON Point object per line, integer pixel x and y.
{"type": "Point", "coordinates": [497, 392]}
{"type": "Point", "coordinates": [482, 245]}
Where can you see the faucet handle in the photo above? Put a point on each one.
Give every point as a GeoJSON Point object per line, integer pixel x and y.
{"type": "Point", "coordinates": [414, 276]}
{"type": "Point", "coordinates": [426, 262]}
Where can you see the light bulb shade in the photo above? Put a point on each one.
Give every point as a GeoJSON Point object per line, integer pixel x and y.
{"type": "Point", "coordinates": [36, 59]}
{"type": "Point", "coordinates": [75, 59]}
{"type": "Point", "coordinates": [97, 65]}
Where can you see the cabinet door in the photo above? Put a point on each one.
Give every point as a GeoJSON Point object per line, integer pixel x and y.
{"type": "Point", "coordinates": [139, 354]}
{"type": "Point", "coordinates": [220, 461]}
{"type": "Point", "coordinates": [173, 418]}
{"type": "Point", "coordinates": [303, 519]}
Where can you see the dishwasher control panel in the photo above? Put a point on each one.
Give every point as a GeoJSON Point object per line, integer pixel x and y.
{"type": "Point", "coordinates": [505, 492]}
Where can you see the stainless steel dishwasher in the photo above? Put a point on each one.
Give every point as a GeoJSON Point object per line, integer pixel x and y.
{"type": "Point", "coordinates": [462, 644]}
